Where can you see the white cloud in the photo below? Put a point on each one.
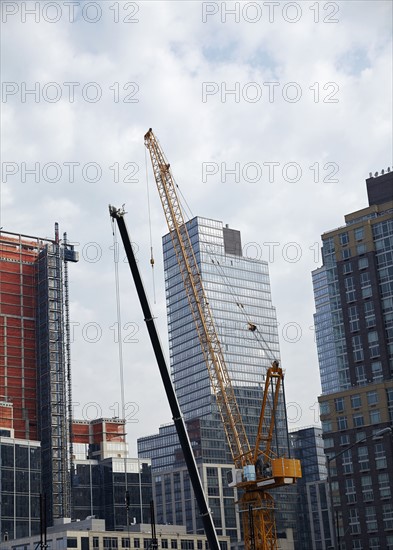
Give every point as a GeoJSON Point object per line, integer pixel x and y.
{"type": "Point", "coordinates": [169, 53]}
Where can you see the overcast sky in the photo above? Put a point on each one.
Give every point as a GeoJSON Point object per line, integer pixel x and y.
{"type": "Point", "coordinates": [272, 117]}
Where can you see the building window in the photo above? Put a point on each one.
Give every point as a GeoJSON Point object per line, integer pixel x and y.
{"type": "Point", "coordinates": [358, 420]}
{"type": "Point", "coordinates": [367, 292]}
{"type": "Point", "coordinates": [345, 253]}
{"type": "Point", "coordinates": [174, 544]}
{"type": "Point", "coordinates": [349, 283]}
{"type": "Point", "coordinates": [356, 401]}
{"type": "Point", "coordinates": [347, 268]}
{"type": "Point", "coordinates": [373, 343]}
{"type": "Point", "coordinates": [389, 396]}
{"type": "Point", "coordinates": [365, 279]}
{"type": "Point", "coordinates": [339, 404]}
{"type": "Point", "coordinates": [336, 493]}
{"type": "Point", "coordinates": [110, 543]}
{"type": "Point", "coordinates": [363, 459]}
{"type": "Point", "coordinates": [344, 240]}
{"type": "Point", "coordinates": [380, 456]}
{"type": "Point", "coordinates": [350, 490]}
{"type": "Point", "coordinates": [137, 543]}
{"type": "Point", "coordinates": [324, 407]}
{"type": "Point", "coordinates": [387, 514]}
{"type": "Point", "coordinates": [96, 543]}
{"type": "Point", "coordinates": [384, 486]}
{"type": "Point", "coordinates": [164, 543]}
{"type": "Point", "coordinates": [125, 543]}
{"type": "Point", "coordinates": [328, 442]}
{"type": "Point", "coordinates": [326, 426]}
{"type": "Point", "coordinates": [373, 543]}
{"type": "Point", "coordinates": [376, 369]}
{"type": "Point", "coordinates": [72, 542]}
{"type": "Point", "coordinates": [371, 519]}
{"type": "Point", "coordinates": [354, 521]}
{"type": "Point", "coordinates": [187, 544]}
{"type": "Point", "coordinates": [359, 234]}
{"type": "Point", "coordinates": [353, 317]}
{"type": "Point", "coordinates": [344, 439]}
{"type": "Point", "coordinates": [360, 375]}
{"type": "Point", "coordinates": [361, 249]}
{"type": "Point", "coordinates": [375, 417]}
{"type": "Point", "coordinates": [357, 348]}
{"type": "Point", "coordinates": [369, 314]}
{"type": "Point", "coordinates": [347, 462]}
{"type": "Point", "coordinates": [367, 489]}
{"type": "Point", "coordinates": [350, 296]}
{"type": "Point", "coordinates": [342, 423]}
{"type": "Point", "coordinates": [372, 398]}
{"type": "Point", "coordinates": [363, 263]}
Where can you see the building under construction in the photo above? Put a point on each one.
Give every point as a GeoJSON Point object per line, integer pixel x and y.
{"type": "Point", "coordinates": [35, 379]}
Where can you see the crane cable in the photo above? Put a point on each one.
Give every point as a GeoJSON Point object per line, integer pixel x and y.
{"type": "Point", "coordinates": [150, 231]}
{"type": "Point", "coordinates": [204, 246]}
{"type": "Point", "coordinates": [120, 348]}
{"type": "Point", "coordinates": [257, 335]}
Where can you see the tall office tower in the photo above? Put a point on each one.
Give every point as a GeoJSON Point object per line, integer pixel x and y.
{"type": "Point", "coordinates": [34, 368]}
{"type": "Point", "coordinates": [238, 291]}
{"type": "Point", "coordinates": [308, 448]}
{"type": "Point", "coordinates": [354, 331]}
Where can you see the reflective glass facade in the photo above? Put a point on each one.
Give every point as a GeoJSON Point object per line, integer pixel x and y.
{"type": "Point", "coordinates": [238, 291]}
{"type": "Point", "coordinates": [324, 330]}
{"type": "Point", "coordinates": [113, 489]}
{"type": "Point", "coordinates": [353, 293]}
{"type": "Point", "coordinates": [354, 326]}
{"type": "Point", "coordinates": [320, 526]}
{"type": "Point", "coordinates": [105, 487]}
{"type": "Point", "coordinates": [308, 448]}
{"type": "Point", "coordinates": [20, 487]}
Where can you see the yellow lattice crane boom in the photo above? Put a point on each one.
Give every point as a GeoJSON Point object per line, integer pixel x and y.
{"type": "Point", "coordinates": [255, 466]}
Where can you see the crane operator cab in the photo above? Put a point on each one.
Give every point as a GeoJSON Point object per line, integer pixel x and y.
{"type": "Point", "coordinates": [272, 473]}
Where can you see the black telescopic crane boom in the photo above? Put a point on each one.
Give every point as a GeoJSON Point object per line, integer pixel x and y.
{"type": "Point", "coordinates": [211, 535]}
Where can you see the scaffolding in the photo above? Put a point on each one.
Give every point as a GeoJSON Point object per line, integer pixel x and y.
{"type": "Point", "coordinates": [35, 374]}
{"type": "Point", "coordinates": [52, 381]}
{"type": "Point", "coordinates": [54, 375]}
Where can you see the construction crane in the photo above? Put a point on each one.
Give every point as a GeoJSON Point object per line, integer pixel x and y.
{"type": "Point", "coordinates": [178, 419]}
{"type": "Point", "coordinates": [257, 467]}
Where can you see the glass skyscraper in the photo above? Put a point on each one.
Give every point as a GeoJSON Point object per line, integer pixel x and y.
{"type": "Point", "coordinates": [238, 291]}
{"type": "Point", "coordinates": [354, 330]}
{"type": "Point", "coordinates": [312, 520]}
